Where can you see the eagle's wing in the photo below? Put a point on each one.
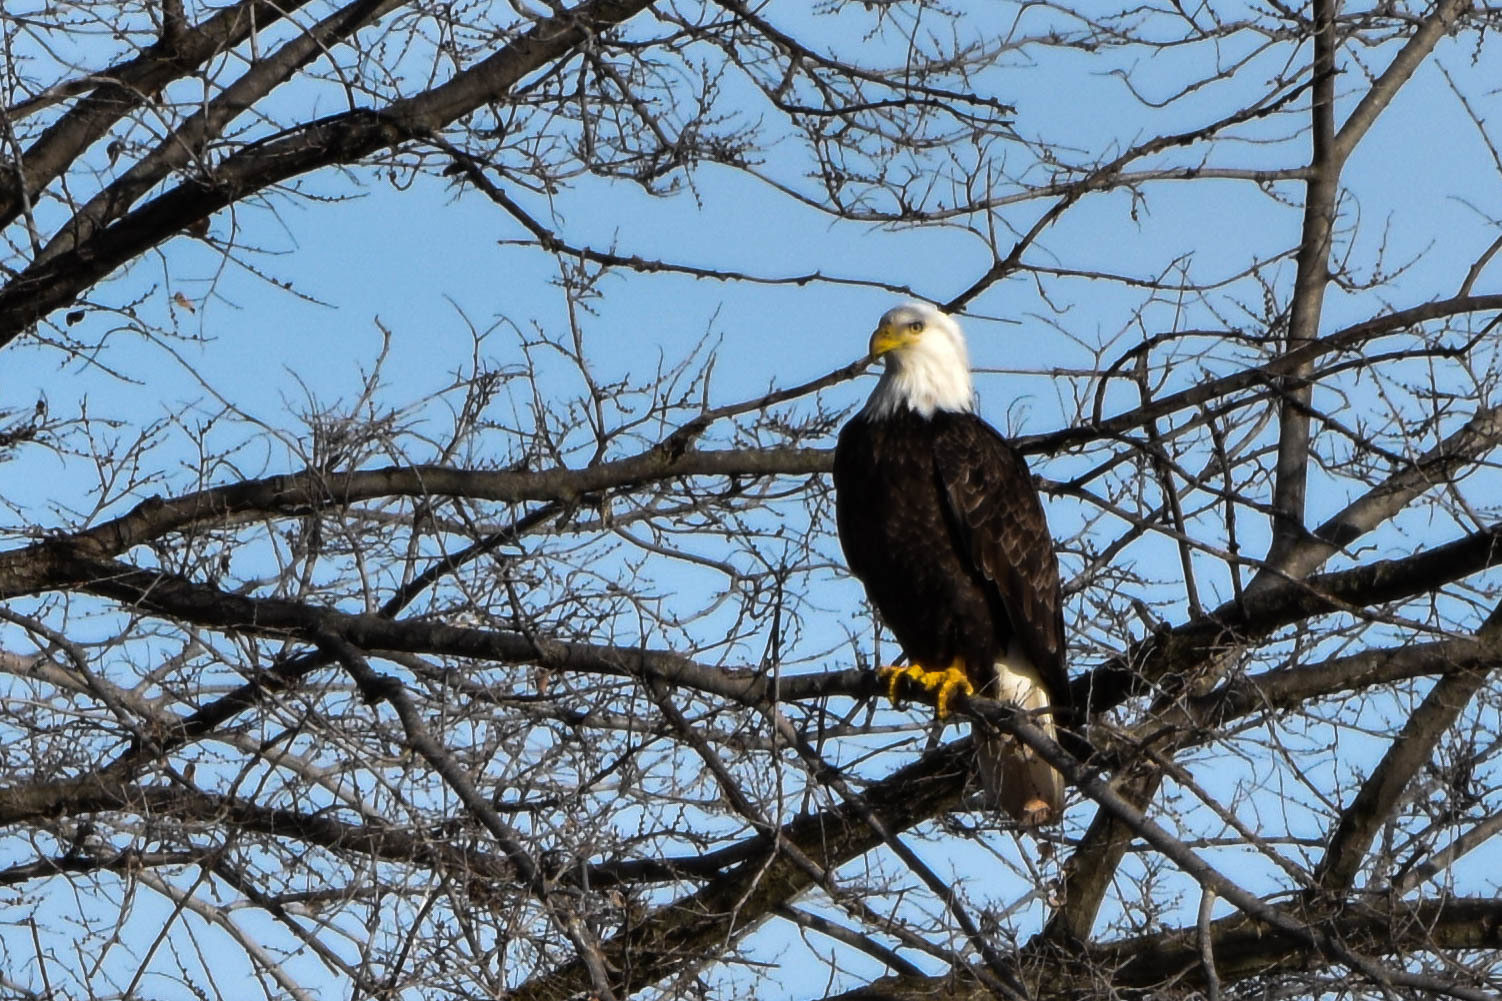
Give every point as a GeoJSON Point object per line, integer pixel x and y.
{"type": "Point", "coordinates": [996, 509]}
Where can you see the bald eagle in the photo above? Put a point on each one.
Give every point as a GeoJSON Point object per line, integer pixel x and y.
{"type": "Point", "coordinates": [939, 519]}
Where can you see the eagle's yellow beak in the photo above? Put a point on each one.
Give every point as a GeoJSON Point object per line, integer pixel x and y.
{"type": "Point", "coordinates": [889, 337]}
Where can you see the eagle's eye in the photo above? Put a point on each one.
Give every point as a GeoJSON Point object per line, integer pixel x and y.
{"type": "Point", "coordinates": [915, 326]}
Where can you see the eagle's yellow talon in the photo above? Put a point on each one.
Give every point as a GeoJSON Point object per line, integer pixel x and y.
{"type": "Point", "coordinates": [892, 678]}
{"type": "Point", "coordinates": [942, 684]}
{"type": "Point", "coordinates": [953, 680]}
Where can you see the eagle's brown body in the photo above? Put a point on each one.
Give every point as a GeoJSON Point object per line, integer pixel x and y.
{"type": "Point", "coordinates": [939, 519]}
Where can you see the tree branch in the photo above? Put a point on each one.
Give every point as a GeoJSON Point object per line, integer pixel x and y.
{"type": "Point", "coordinates": [338, 139]}
{"type": "Point", "coordinates": [1410, 750]}
{"type": "Point", "coordinates": [120, 89]}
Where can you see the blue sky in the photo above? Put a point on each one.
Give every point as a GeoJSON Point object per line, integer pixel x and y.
{"type": "Point", "coordinates": [429, 264]}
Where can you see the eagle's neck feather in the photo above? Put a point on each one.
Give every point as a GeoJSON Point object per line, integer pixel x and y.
{"type": "Point", "coordinates": [924, 385]}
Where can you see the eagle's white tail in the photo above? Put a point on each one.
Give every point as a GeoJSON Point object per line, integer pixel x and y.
{"type": "Point", "coordinates": [1014, 777]}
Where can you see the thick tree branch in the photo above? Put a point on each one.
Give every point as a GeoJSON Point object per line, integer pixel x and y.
{"type": "Point", "coordinates": [187, 143]}
{"type": "Point", "coordinates": [1410, 750]}
{"type": "Point", "coordinates": [1329, 155]}
{"type": "Point", "coordinates": [1436, 25]}
{"type": "Point", "coordinates": [1313, 936]}
{"type": "Point", "coordinates": [296, 494]}
{"type": "Point", "coordinates": [1260, 376]}
{"type": "Point", "coordinates": [339, 139]}
{"type": "Point", "coordinates": [1181, 650]}
{"type": "Point", "coordinates": [699, 924]}
{"type": "Point", "coordinates": [1312, 276]}
{"type": "Point", "coordinates": [1436, 467]}
{"type": "Point", "coordinates": [1167, 964]}
{"type": "Point", "coordinates": [1175, 651]}
{"type": "Point", "coordinates": [121, 89]}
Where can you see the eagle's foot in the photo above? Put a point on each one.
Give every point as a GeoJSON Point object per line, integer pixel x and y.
{"type": "Point", "coordinates": [943, 685]}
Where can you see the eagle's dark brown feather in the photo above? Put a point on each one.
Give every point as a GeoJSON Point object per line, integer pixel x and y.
{"type": "Point", "coordinates": [939, 519]}
{"type": "Point", "coordinates": [999, 515]}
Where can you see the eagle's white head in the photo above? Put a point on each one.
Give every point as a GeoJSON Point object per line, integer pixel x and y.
{"type": "Point", "coordinates": [927, 367]}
